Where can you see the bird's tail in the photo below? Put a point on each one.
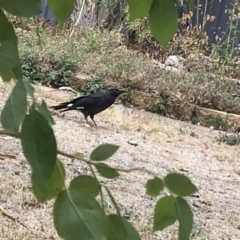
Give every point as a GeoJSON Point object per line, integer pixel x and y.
{"type": "Point", "coordinates": [66, 106]}
{"type": "Point", "coordinates": [63, 106]}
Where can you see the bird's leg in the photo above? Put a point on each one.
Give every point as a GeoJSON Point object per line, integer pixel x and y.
{"type": "Point", "coordinates": [86, 119]}
{"type": "Point", "coordinates": [92, 116]}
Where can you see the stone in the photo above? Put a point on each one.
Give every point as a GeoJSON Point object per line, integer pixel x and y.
{"type": "Point", "coordinates": [175, 61]}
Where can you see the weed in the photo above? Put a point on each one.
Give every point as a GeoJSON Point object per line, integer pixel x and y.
{"type": "Point", "coordinates": [127, 99]}
{"type": "Point", "coordinates": [229, 139]}
{"type": "Point", "coordinates": [93, 85]}
{"type": "Point", "coordinates": [186, 130]}
{"type": "Point", "coordinates": [218, 123]}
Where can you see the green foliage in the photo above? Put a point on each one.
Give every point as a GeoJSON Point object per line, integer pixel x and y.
{"type": "Point", "coordinates": [15, 108]}
{"type": "Point", "coordinates": [186, 130]}
{"type": "Point", "coordinates": [142, 9]}
{"type": "Point", "coordinates": [217, 122]}
{"type": "Point", "coordinates": [55, 184]}
{"type": "Point", "coordinates": [154, 186]}
{"type": "Point", "coordinates": [61, 10]}
{"type": "Point", "coordinates": [164, 213]}
{"type": "Point", "coordinates": [22, 8]}
{"type": "Point", "coordinates": [77, 212]}
{"type": "Point", "coordinates": [185, 218]}
{"type": "Point", "coordinates": [229, 139]}
{"type": "Point", "coordinates": [39, 147]}
{"type": "Point", "coordinates": [8, 56]}
{"type": "Point", "coordinates": [42, 108]}
{"type": "Point", "coordinates": [160, 12]}
{"type": "Point", "coordinates": [86, 183]}
{"type": "Point", "coordinates": [106, 171]}
{"type": "Point", "coordinates": [93, 85]}
{"type": "Point", "coordinates": [78, 216]}
{"type": "Point", "coordinates": [120, 228]}
{"type": "Point", "coordinates": [49, 71]}
{"type": "Point", "coordinates": [179, 184]}
{"type": "Point", "coordinates": [103, 152]}
{"type": "Point", "coordinates": [9, 39]}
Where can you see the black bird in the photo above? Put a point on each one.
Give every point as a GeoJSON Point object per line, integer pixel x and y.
{"type": "Point", "coordinates": [91, 104]}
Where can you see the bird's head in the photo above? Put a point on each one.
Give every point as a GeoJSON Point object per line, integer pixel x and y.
{"type": "Point", "coordinates": [116, 91]}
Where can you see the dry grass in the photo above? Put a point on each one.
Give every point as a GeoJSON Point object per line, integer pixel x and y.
{"type": "Point", "coordinates": [162, 147]}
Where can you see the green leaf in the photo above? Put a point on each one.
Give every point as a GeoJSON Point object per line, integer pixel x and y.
{"type": "Point", "coordinates": [185, 218]}
{"type": "Point", "coordinates": [8, 56]}
{"type": "Point", "coordinates": [54, 186]}
{"type": "Point", "coordinates": [22, 8]}
{"type": "Point", "coordinates": [28, 87]}
{"type": "Point", "coordinates": [61, 9]}
{"type": "Point", "coordinates": [14, 73]}
{"type": "Point", "coordinates": [163, 20]}
{"type": "Point", "coordinates": [7, 75]}
{"type": "Point", "coordinates": [15, 108]}
{"type": "Point", "coordinates": [179, 184]}
{"type": "Point", "coordinates": [45, 112]}
{"type": "Point", "coordinates": [39, 147]}
{"type": "Point", "coordinates": [103, 152]}
{"type": "Point", "coordinates": [164, 213]}
{"type": "Point", "coordinates": [78, 216]}
{"type": "Point", "coordinates": [154, 186]}
{"type": "Point", "coordinates": [120, 228]}
{"type": "Point", "coordinates": [17, 72]}
{"type": "Point", "coordinates": [107, 171]}
{"type": "Point", "coordinates": [139, 8]}
{"type": "Point", "coordinates": [7, 33]}
{"type": "Point", "coordinates": [86, 183]}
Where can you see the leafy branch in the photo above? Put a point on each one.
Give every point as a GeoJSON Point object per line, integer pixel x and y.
{"type": "Point", "coordinates": [78, 157]}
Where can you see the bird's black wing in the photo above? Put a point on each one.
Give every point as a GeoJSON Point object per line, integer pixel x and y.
{"type": "Point", "coordinates": [90, 101]}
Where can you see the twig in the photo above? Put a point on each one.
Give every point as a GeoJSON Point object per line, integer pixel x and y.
{"type": "Point", "coordinates": [137, 169]}
{"type": "Point", "coordinates": [6, 214]}
{"type": "Point", "coordinates": [11, 134]}
{"type": "Point", "coordinates": [101, 192]}
{"type": "Point", "coordinates": [3, 156]}
{"type": "Point", "coordinates": [78, 19]}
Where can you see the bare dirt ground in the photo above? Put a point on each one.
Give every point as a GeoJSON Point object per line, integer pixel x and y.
{"type": "Point", "coordinates": [164, 145]}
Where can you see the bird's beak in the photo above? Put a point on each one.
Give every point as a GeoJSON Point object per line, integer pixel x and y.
{"type": "Point", "coordinates": [121, 90]}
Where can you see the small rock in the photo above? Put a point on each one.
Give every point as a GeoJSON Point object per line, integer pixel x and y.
{"type": "Point", "coordinates": [132, 142]}
{"type": "Point", "coordinates": [86, 125]}
{"type": "Point", "coordinates": [196, 204]}
{"type": "Point", "coordinates": [175, 61]}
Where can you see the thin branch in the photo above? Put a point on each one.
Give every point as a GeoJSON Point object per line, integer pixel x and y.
{"type": "Point", "coordinates": [4, 132]}
{"type": "Point", "coordinates": [75, 156]}
{"type": "Point", "coordinates": [137, 169]}
{"type": "Point", "coordinates": [78, 19]}
{"type": "Point", "coordinates": [101, 192]}
{"type": "Point", "coordinates": [5, 213]}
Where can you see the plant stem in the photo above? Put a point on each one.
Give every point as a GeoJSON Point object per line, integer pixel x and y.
{"type": "Point", "coordinates": [59, 152]}
{"type": "Point", "coordinates": [101, 192]}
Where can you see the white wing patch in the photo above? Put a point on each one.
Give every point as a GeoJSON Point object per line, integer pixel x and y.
{"type": "Point", "coordinates": [69, 105]}
{"type": "Point", "coordinates": [79, 108]}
